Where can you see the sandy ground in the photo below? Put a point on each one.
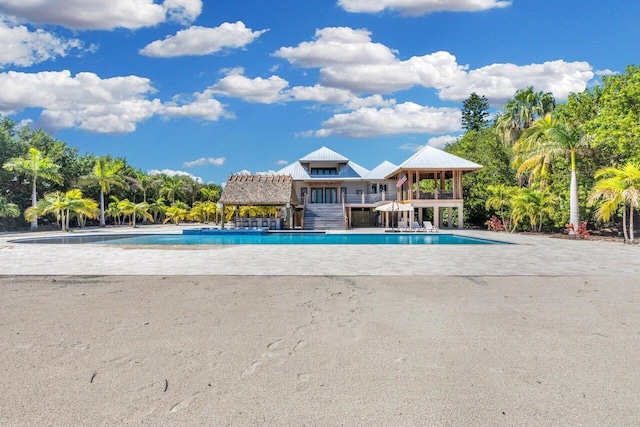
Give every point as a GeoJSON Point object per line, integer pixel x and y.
{"type": "Point", "coordinates": [284, 350]}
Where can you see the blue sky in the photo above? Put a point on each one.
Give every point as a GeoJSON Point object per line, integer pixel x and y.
{"type": "Point", "coordinates": [218, 87]}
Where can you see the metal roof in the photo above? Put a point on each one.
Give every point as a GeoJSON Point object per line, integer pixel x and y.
{"type": "Point", "coordinates": [295, 170]}
{"type": "Point", "coordinates": [324, 155]}
{"type": "Point", "coordinates": [358, 170]}
{"type": "Point", "coordinates": [435, 159]}
{"type": "Point", "coordinates": [381, 171]}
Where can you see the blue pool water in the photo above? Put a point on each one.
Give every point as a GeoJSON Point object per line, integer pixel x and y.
{"type": "Point", "coordinates": [274, 239]}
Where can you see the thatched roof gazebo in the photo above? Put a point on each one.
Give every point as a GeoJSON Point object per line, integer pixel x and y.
{"type": "Point", "coordinates": [259, 190]}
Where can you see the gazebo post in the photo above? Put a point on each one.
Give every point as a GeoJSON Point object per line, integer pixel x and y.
{"type": "Point", "coordinates": [221, 208]}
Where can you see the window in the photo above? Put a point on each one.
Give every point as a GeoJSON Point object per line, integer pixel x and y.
{"type": "Point", "coordinates": [374, 188]}
{"type": "Point", "coordinates": [303, 192]}
{"type": "Point", "coordinates": [324, 171]}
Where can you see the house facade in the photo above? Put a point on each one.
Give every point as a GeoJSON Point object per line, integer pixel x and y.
{"type": "Point", "coordinates": [430, 182]}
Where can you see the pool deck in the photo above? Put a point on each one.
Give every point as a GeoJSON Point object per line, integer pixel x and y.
{"type": "Point", "coordinates": [530, 255]}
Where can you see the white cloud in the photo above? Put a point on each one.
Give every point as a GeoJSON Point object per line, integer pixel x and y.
{"type": "Point", "coordinates": [202, 41]}
{"type": "Point", "coordinates": [215, 161]}
{"type": "Point", "coordinates": [264, 91]}
{"type": "Point", "coordinates": [267, 173]}
{"type": "Point", "coordinates": [498, 82]}
{"type": "Point", "coordinates": [172, 172]}
{"type": "Point", "coordinates": [411, 147]}
{"type": "Point", "coordinates": [330, 95]}
{"type": "Point", "coordinates": [347, 59]}
{"type": "Point", "coordinates": [201, 105]}
{"type": "Point", "coordinates": [337, 46]}
{"type": "Point", "coordinates": [102, 15]}
{"type": "Point", "coordinates": [442, 141]}
{"type": "Point", "coordinates": [182, 11]}
{"type": "Point", "coordinates": [23, 48]}
{"type": "Point", "coordinates": [400, 119]}
{"type": "Point", "coordinates": [282, 162]}
{"type": "Point", "coordinates": [243, 172]}
{"type": "Point", "coordinates": [421, 7]}
{"type": "Point", "coordinates": [86, 101]}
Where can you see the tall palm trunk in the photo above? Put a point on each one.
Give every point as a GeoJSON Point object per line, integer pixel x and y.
{"type": "Point", "coordinates": [624, 224]}
{"type": "Point", "coordinates": [102, 221]}
{"type": "Point", "coordinates": [631, 233]}
{"type": "Point", "coordinates": [34, 202]}
{"type": "Point", "coordinates": [574, 213]}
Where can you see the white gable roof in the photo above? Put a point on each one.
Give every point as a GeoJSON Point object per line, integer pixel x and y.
{"type": "Point", "coordinates": [381, 171]}
{"type": "Point", "coordinates": [296, 171]}
{"type": "Point", "coordinates": [433, 158]}
{"type": "Point", "coordinates": [324, 155]}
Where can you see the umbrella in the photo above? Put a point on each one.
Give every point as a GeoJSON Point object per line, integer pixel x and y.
{"type": "Point", "coordinates": [394, 207]}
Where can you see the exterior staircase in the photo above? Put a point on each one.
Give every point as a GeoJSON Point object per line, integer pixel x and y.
{"type": "Point", "coordinates": [323, 216]}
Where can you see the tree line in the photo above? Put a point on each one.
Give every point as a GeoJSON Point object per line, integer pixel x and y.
{"type": "Point", "coordinates": [47, 182]}
{"type": "Point", "coordinates": [555, 166]}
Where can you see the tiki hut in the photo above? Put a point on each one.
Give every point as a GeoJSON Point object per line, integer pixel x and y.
{"type": "Point", "coordinates": [259, 190]}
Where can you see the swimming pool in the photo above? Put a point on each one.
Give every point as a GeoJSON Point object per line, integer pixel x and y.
{"type": "Point", "coordinates": [269, 239]}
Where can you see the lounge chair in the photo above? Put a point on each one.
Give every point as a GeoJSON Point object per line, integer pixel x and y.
{"type": "Point", "coordinates": [405, 226]}
{"type": "Point", "coordinates": [427, 226]}
{"type": "Point", "coordinates": [416, 226]}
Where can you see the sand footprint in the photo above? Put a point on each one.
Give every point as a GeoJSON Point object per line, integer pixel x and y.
{"type": "Point", "coordinates": [303, 385]}
{"type": "Point", "coordinates": [251, 369]}
{"type": "Point", "coordinates": [301, 344]}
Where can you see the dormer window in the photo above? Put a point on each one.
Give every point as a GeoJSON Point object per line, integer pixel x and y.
{"type": "Point", "coordinates": [324, 171]}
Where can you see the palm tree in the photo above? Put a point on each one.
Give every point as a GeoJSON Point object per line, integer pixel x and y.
{"type": "Point", "coordinates": [618, 187]}
{"type": "Point", "coordinates": [541, 144]}
{"type": "Point", "coordinates": [175, 213]}
{"type": "Point", "coordinates": [8, 210]}
{"type": "Point", "coordinates": [144, 183]}
{"type": "Point", "coordinates": [172, 187]}
{"type": "Point", "coordinates": [61, 205]}
{"type": "Point", "coordinates": [34, 165]}
{"type": "Point", "coordinates": [532, 205]}
{"type": "Point", "coordinates": [203, 211]}
{"type": "Point", "coordinates": [157, 209]}
{"type": "Point", "coordinates": [135, 209]}
{"type": "Point", "coordinates": [106, 173]}
{"type": "Point", "coordinates": [520, 112]}
{"type": "Point", "coordinates": [500, 200]}
{"type": "Point", "coordinates": [210, 194]}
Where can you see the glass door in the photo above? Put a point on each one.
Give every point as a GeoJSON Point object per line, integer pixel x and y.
{"type": "Point", "coordinates": [316, 195]}
{"type": "Point", "coordinates": [331, 195]}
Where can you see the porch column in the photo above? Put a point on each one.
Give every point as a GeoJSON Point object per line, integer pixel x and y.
{"type": "Point", "coordinates": [436, 216]}
{"type": "Point", "coordinates": [460, 217]}
{"type": "Point", "coordinates": [449, 217]}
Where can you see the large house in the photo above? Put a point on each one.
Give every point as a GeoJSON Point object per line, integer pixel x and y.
{"type": "Point", "coordinates": [332, 191]}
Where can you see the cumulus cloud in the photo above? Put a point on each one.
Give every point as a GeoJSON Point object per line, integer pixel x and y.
{"type": "Point", "coordinates": [86, 101]}
{"type": "Point", "coordinates": [411, 147]}
{"type": "Point", "coordinates": [264, 91]}
{"type": "Point", "coordinates": [349, 60]}
{"type": "Point", "coordinates": [421, 7]}
{"type": "Point", "coordinates": [202, 41]}
{"type": "Point", "coordinates": [23, 48]}
{"type": "Point", "coordinates": [102, 15]}
{"type": "Point", "coordinates": [441, 141]}
{"type": "Point", "coordinates": [498, 82]}
{"type": "Point", "coordinates": [337, 46]}
{"type": "Point", "coordinates": [215, 161]}
{"type": "Point", "coordinates": [200, 105]}
{"type": "Point", "coordinates": [400, 119]}
{"type": "Point", "coordinates": [335, 96]}
{"type": "Point", "coordinates": [172, 172]}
